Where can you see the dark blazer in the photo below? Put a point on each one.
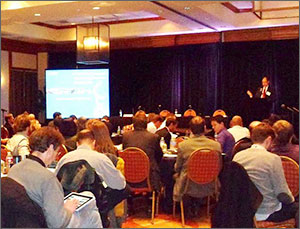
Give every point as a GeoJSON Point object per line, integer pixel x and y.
{"type": "Point", "coordinates": [270, 94]}
{"type": "Point", "coordinates": [149, 143]}
{"type": "Point", "coordinates": [164, 133]}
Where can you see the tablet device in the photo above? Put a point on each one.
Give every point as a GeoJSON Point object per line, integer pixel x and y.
{"type": "Point", "coordinates": [83, 199]}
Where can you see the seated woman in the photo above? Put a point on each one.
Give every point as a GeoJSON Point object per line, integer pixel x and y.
{"type": "Point", "coordinates": [282, 145]}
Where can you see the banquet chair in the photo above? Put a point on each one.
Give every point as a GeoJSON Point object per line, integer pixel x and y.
{"type": "Point", "coordinates": [203, 167]}
{"type": "Point", "coordinates": [291, 173]}
{"type": "Point", "coordinates": [137, 170]}
{"type": "Point", "coordinates": [189, 113]}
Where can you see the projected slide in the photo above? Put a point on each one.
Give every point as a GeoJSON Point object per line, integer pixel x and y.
{"type": "Point", "coordinates": [81, 92]}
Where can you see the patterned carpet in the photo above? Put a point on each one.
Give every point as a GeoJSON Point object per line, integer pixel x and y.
{"type": "Point", "coordinates": [140, 220]}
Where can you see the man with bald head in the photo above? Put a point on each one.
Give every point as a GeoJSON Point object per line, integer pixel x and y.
{"type": "Point", "coordinates": [237, 130]}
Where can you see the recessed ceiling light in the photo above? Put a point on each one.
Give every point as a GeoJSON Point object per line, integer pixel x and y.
{"type": "Point", "coordinates": [37, 15]}
{"type": "Point", "coordinates": [96, 8]}
{"type": "Point", "coordinates": [73, 23]}
{"type": "Point", "coordinates": [187, 8]}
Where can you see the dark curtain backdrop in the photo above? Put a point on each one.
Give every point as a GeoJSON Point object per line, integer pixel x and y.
{"type": "Point", "coordinates": [205, 76]}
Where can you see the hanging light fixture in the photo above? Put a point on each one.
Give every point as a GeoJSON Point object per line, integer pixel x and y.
{"type": "Point", "coordinates": [92, 41]}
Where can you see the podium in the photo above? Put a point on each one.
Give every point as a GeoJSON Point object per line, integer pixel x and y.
{"type": "Point", "coordinates": [257, 108]}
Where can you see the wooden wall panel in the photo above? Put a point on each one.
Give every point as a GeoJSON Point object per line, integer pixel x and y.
{"type": "Point", "coordinates": [200, 38]}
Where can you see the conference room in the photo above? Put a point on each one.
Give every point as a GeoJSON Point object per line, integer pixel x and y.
{"type": "Point", "coordinates": [145, 114]}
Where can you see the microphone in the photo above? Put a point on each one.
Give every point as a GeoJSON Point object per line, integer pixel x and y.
{"type": "Point", "coordinates": [139, 107]}
{"type": "Point", "coordinates": [159, 108]}
{"type": "Point", "coordinates": [283, 106]}
{"type": "Point", "coordinates": [295, 109]}
{"type": "Point", "coordinates": [190, 106]}
{"type": "Point", "coordinates": [3, 110]}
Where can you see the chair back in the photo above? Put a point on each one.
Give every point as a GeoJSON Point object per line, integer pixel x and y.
{"type": "Point", "coordinates": [61, 152]}
{"type": "Point", "coordinates": [4, 132]}
{"type": "Point", "coordinates": [203, 166]}
{"type": "Point", "coordinates": [4, 151]}
{"type": "Point", "coordinates": [241, 145]}
{"type": "Point", "coordinates": [291, 173]}
{"type": "Point", "coordinates": [189, 113]}
{"type": "Point", "coordinates": [137, 165]}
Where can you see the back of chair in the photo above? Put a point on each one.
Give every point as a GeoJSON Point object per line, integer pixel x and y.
{"type": "Point", "coordinates": [137, 164]}
{"type": "Point", "coordinates": [203, 166]}
{"type": "Point", "coordinates": [291, 172]}
{"type": "Point", "coordinates": [240, 145]}
{"type": "Point", "coordinates": [189, 113]}
{"type": "Point", "coordinates": [4, 151]}
{"type": "Point", "coordinates": [61, 152]}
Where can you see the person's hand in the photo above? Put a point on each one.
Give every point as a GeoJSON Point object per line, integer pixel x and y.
{"type": "Point", "coordinates": [71, 205]}
{"type": "Point", "coordinates": [250, 94]}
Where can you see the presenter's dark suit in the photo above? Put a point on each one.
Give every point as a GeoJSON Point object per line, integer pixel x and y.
{"type": "Point", "coordinates": [164, 133]}
{"type": "Point", "coordinates": [149, 143]}
{"type": "Point", "coordinates": [270, 94]}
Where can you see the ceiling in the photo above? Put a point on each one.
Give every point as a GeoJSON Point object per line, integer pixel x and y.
{"type": "Point", "coordinates": [56, 20]}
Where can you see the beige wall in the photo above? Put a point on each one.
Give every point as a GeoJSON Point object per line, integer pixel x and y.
{"type": "Point", "coordinates": [4, 80]}
{"type": "Point", "coordinates": [23, 60]}
{"type": "Point", "coordinates": [42, 65]}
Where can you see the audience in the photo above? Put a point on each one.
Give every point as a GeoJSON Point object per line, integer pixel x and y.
{"type": "Point", "coordinates": [166, 132]}
{"type": "Point", "coordinates": [282, 145]}
{"type": "Point", "coordinates": [106, 121]}
{"type": "Point", "coordinates": [149, 143]}
{"type": "Point", "coordinates": [9, 121]}
{"type": "Point", "coordinates": [222, 135]}
{"type": "Point", "coordinates": [185, 149]}
{"type": "Point", "coordinates": [18, 144]}
{"type": "Point", "coordinates": [266, 172]}
{"type": "Point", "coordinates": [43, 187]}
{"type": "Point", "coordinates": [103, 166]}
{"type": "Point", "coordinates": [155, 123]}
{"type": "Point", "coordinates": [237, 130]}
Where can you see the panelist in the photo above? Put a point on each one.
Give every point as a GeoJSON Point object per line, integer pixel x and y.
{"type": "Point", "coordinates": [265, 91]}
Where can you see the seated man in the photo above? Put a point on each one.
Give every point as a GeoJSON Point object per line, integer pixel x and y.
{"type": "Point", "coordinates": [9, 121]}
{"type": "Point", "coordinates": [149, 143]}
{"type": "Point", "coordinates": [237, 130]}
{"type": "Point", "coordinates": [18, 144]}
{"type": "Point", "coordinates": [282, 145]}
{"type": "Point", "coordinates": [154, 124]}
{"type": "Point", "coordinates": [223, 136]}
{"type": "Point", "coordinates": [185, 149]}
{"type": "Point", "coordinates": [266, 172]}
{"type": "Point", "coordinates": [103, 167]}
{"type": "Point", "coordinates": [43, 187]}
{"type": "Point", "coordinates": [171, 125]}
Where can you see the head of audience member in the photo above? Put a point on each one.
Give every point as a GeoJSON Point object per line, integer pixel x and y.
{"type": "Point", "coordinates": [9, 118]}
{"type": "Point", "coordinates": [74, 118]}
{"type": "Point", "coordinates": [81, 123]}
{"type": "Point", "coordinates": [236, 121]}
{"type": "Point", "coordinates": [105, 118]}
{"type": "Point", "coordinates": [273, 118]}
{"type": "Point", "coordinates": [44, 143]}
{"type": "Point", "coordinates": [57, 115]}
{"type": "Point", "coordinates": [100, 131]}
{"type": "Point", "coordinates": [22, 124]}
{"type": "Point", "coordinates": [151, 117]}
{"type": "Point", "coordinates": [139, 122]}
{"type": "Point", "coordinates": [218, 123]}
{"type": "Point", "coordinates": [263, 134]}
{"type": "Point", "coordinates": [31, 117]}
{"type": "Point", "coordinates": [265, 81]}
{"type": "Point", "coordinates": [172, 123]}
{"type": "Point", "coordinates": [284, 132]}
{"type": "Point", "coordinates": [86, 137]}
{"type": "Point", "coordinates": [34, 125]}
{"type": "Point", "coordinates": [197, 125]}
{"type": "Point", "coordinates": [67, 127]}
{"type": "Point", "coordinates": [253, 124]}
{"type": "Point", "coordinates": [164, 113]}
{"type": "Point", "coordinates": [157, 121]}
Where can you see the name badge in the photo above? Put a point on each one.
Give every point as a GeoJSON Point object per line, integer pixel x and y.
{"type": "Point", "coordinates": [268, 93]}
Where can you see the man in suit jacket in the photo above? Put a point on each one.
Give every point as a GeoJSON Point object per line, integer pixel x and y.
{"type": "Point", "coordinates": [265, 91]}
{"type": "Point", "coordinates": [186, 148]}
{"type": "Point", "coordinates": [149, 143]}
{"type": "Point", "coordinates": [171, 125]}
